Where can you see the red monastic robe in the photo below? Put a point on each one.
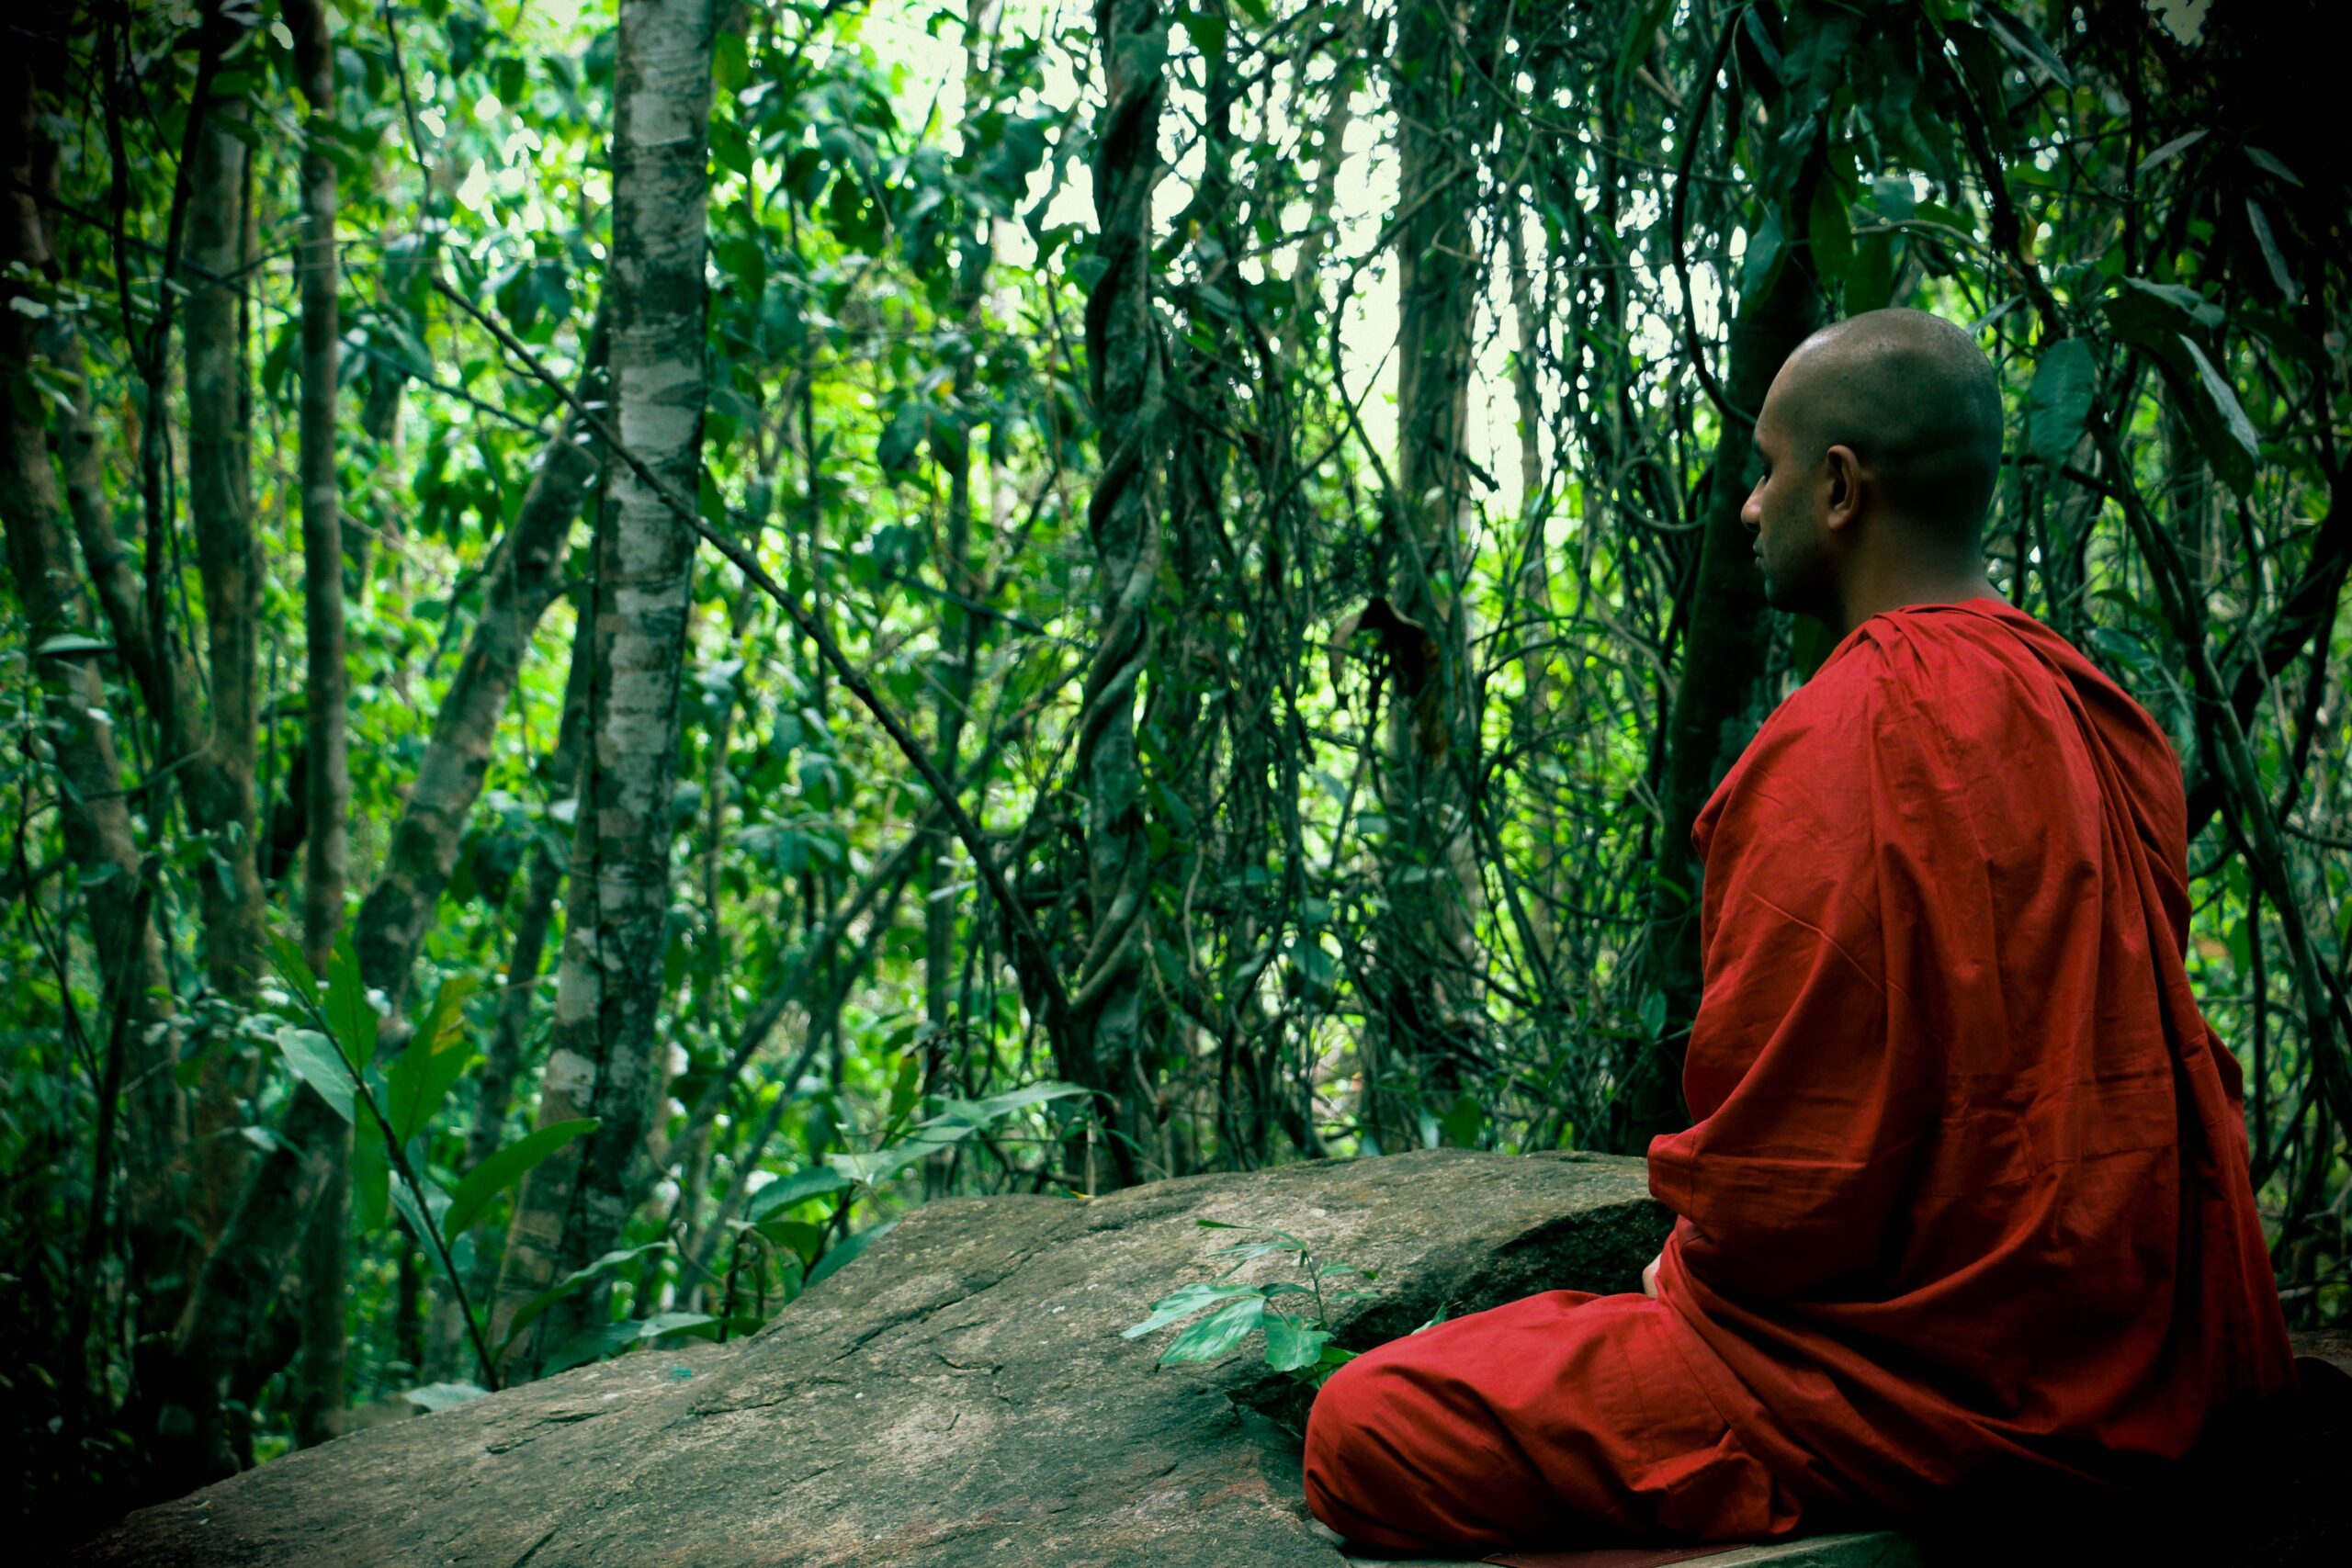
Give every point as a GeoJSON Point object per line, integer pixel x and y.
{"type": "Point", "coordinates": [1966, 1195]}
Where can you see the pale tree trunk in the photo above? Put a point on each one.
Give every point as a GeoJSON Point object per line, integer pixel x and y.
{"type": "Point", "coordinates": [1425, 1024]}
{"type": "Point", "coordinates": [1306, 276]}
{"type": "Point", "coordinates": [502, 1066]}
{"type": "Point", "coordinates": [1181, 728]}
{"type": "Point", "coordinates": [221, 795]}
{"type": "Point", "coordinates": [1125, 375]}
{"type": "Point", "coordinates": [318, 1392]}
{"type": "Point", "coordinates": [1541, 700]}
{"type": "Point", "coordinates": [523, 580]}
{"type": "Point", "coordinates": [141, 1040]}
{"type": "Point", "coordinates": [605, 1059]}
{"type": "Point", "coordinates": [253, 1252]}
{"type": "Point", "coordinates": [959, 628]}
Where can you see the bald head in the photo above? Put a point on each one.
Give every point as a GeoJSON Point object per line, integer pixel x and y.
{"type": "Point", "coordinates": [1918, 403]}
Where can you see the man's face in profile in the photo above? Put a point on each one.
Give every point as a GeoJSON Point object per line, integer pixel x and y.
{"type": "Point", "coordinates": [1786, 512]}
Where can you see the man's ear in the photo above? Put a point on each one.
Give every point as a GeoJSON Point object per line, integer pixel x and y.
{"type": "Point", "coordinates": [1845, 486]}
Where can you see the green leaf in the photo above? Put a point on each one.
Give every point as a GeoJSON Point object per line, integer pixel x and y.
{"type": "Point", "coordinates": [610, 1263]}
{"type": "Point", "coordinates": [350, 1015]}
{"type": "Point", "coordinates": [1216, 1335]}
{"type": "Point", "coordinates": [848, 1252]}
{"type": "Point", "coordinates": [2169, 150]}
{"type": "Point", "coordinates": [437, 1055]}
{"type": "Point", "coordinates": [797, 1187]}
{"type": "Point", "coordinates": [2059, 402]}
{"type": "Point", "coordinates": [442, 1395]}
{"type": "Point", "coordinates": [592, 1343]}
{"type": "Point", "coordinates": [312, 1057]}
{"type": "Point", "coordinates": [2272, 258]}
{"type": "Point", "coordinates": [795, 1236]}
{"type": "Point", "coordinates": [1762, 258]}
{"type": "Point", "coordinates": [2269, 165]}
{"type": "Point", "coordinates": [904, 1087]}
{"type": "Point", "coordinates": [1830, 233]}
{"type": "Point", "coordinates": [472, 1195]}
{"type": "Point", "coordinates": [2176, 297]}
{"type": "Point", "coordinates": [295, 970]}
{"type": "Point", "coordinates": [1187, 1301]}
{"type": "Point", "coordinates": [70, 642]}
{"type": "Point", "coordinates": [2225, 403]}
{"type": "Point", "coordinates": [1291, 1345]}
{"type": "Point", "coordinates": [996, 1107]}
{"type": "Point", "coordinates": [1870, 283]}
{"type": "Point", "coordinates": [422, 1221]}
{"type": "Point", "coordinates": [2027, 45]}
{"type": "Point", "coordinates": [371, 1177]}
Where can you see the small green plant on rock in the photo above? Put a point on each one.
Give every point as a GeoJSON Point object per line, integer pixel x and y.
{"type": "Point", "coordinates": [1295, 1318]}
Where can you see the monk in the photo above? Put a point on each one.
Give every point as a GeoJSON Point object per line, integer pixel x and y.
{"type": "Point", "coordinates": [1966, 1198]}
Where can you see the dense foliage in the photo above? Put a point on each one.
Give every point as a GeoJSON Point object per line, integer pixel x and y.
{"type": "Point", "coordinates": [1170, 610]}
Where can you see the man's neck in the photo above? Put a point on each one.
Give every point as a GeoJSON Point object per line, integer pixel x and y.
{"type": "Point", "coordinates": [1873, 593]}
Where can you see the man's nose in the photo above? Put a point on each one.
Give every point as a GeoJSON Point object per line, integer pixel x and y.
{"type": "Point", "coordinates": [1751, 513]}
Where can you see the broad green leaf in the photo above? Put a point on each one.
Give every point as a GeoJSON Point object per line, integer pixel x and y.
{"type": "Point", "coordinates": [608, 1264]}
{"type": "Point", "coordinates": [797, 1187]}
{"type": "Point", "coordinates": [2180, 296]}
{"type": "Point", "coordinates": [437, 1056]}
{"type": "Point", "coordinates": [2225, 402]}
{"type": "Point", "coordinates": [998, 1106]}
{"type": "Point", "coordinates": [1830, 233]}
{"type": "Point", "coordinates": [2059, 402]}
{"type": "Point", "coordinates": [1216, 1335]}
{"type": "Point", "coordinates": [472, 1195]}
{"type": "Point", "coordinates": [372, 1176]}
{"type": "Point", "coordinates": [1763, 256]}
{"type": "Point", "coordinates": [1291, 1345]}
{"type": "Point", "coordinates": [2272, 258]}
{"type": "Point", "coordinates": [1870, 283]}
{"type": "Point", "coordinates": [797, 1236]}
{"type": "Point", "coordinates": [70, 642]}
{"type": "Point", "coordinates": [849, 1252]}
{"type": "Point", "coordinates": [1183, 1304]}
{"type": "Point", "coordinates": [591, 1344]}
{"type": "Point", "coordinates": [442, 1395]}
{"type": "Point", "coordinates": [588, 1345]}
{"type": "Point", "coordinates": [296, 971]}
{"type": "Point", "coordinates": [904, 1087]}
{"type": "Point", "coordinates": [1296, 1245]}
{"type": "Point", "coordinates": [2270, 164]}
{"type": "Point", "coordinates": [314, 1059]}
{"type": "Point", "coordinates": [2026, 44]}
{"type": "Point", "coordinates": [350, 1015]}
{"type": "Point", "coordinates": [423, 1222]}
{"type": "Point", "coordinates": [2170, 150]}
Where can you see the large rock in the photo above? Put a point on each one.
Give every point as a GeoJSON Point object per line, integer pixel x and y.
{"type": "Point", "coordinates": [960, 1395]}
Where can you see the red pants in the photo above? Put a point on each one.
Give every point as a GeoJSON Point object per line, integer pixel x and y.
{"type": "Point", "coordinates": [1565, 1419]}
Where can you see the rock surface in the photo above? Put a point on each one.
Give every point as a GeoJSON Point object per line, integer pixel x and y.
{"type": "Point", "coordinates": [958, 1396]}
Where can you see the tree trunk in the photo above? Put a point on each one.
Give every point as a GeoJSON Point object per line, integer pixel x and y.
{"type": "Point", "coordinates": [523, 582]}
{"type": "Point", "coordinates": [318, 1392]}
{"type": "Point", "coordinates": [142, 1036]}
{"type": "Point", "coordinates": [221, 795]}
{"type": "Point", "coordinates": [1719, 697]}
{"type": "Point", "coordinates": [1124, 377]}
{"type": "Point", "coordinates": [502, 1066]}
{"type": "Point", "coordinates": [1426, 1027]}
{"type": "Point", "coordinates": [1538, 698]}
{"type": "Point", "coordinates": [605, 1059]}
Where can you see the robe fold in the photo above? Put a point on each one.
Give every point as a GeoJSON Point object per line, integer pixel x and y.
{"type": "Point", "coordinates": [1966, 1192]}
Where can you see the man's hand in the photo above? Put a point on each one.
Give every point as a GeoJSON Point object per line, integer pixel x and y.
{"type": "Point", "coordinates": [1649, 1275]}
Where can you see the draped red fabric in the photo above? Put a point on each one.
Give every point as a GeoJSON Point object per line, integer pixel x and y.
{"type": "Point", "coordinates": [1966, 1192]}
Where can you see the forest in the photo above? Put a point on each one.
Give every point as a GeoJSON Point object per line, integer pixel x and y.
{"type": "Point", "coordinates": [642, 634]}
